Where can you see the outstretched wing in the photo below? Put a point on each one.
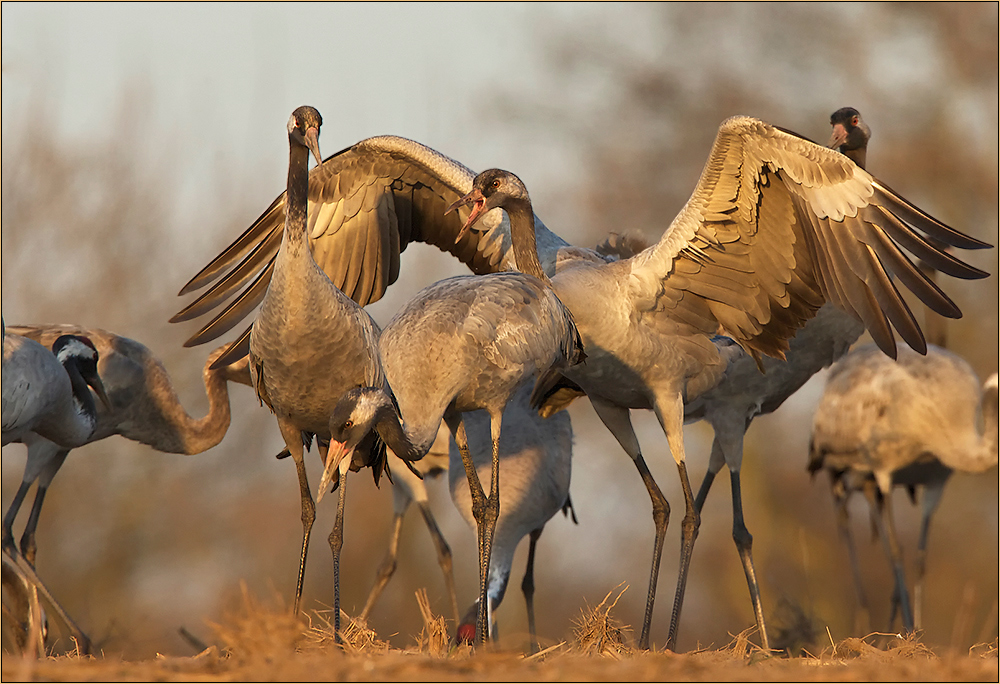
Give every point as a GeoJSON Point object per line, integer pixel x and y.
{"type": "Point", "coordinates": [776, 226]}
{"type": "Point", "coordinates": [366, 204]}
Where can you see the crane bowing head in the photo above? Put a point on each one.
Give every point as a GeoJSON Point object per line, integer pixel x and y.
{"type": "Point", "coordinates": [303, 129]}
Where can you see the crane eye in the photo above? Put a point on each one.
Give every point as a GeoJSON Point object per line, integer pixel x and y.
{"type": "Point", "coordinates": [348, 425]}
{"type": "Point", "coordinates": [854, 121]}
{"type": "Point", "coordinates": [495, 184]}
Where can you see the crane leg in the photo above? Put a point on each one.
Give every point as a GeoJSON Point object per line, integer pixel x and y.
{"type": "Point", "coordinates": [744, 544]}
{"type": "Point", "coordinates": [528, 588]}
{"type": "Point", "coordinates": [293, 441]}
{"type": "Point", "coordinates": [485, 510]}
{"type": "Point", "coordinates": [388, 566]}
{"type": "Point", "coordinates": [863, 623]}
{"type": "Point", "coordinates": [444, 555]}
{"type": "Point", "coordinates": [29, 547]}
{"type": "Point", "coordinates": [8, 519]}
{"type": "Point", "coordinates": [617, 420]}
{"type": "Point", "coordinates": [929, 504]}
{"type": "Point", "coordinates": [671, 416]}
{"type": "Point", "coordinates": [336, 540]}
{"type": "Point", "coordinates": [887, 532]}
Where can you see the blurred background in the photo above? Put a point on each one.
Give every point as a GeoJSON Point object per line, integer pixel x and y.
{"type": "Point", "coordinates": [139, 140]}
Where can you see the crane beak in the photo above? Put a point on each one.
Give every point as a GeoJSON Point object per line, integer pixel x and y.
{"type": "Point", "coordinates": [839, 136]}
{"type": "Point", "coordinates": [94, 380]}
{"type": "Point", "coordinates": [336, 455]}
{"type": "Point", "coordinates": [312, 142]}
{"type": "Point", "coordinates": [478, 202]}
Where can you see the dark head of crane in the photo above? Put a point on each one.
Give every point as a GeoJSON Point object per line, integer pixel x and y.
{"type": "Point", "coordinates": [850, 134]}
{"type": "Point", "coordinates": [81, 352]}
{"type": "Point", "coordinates": [303, 129]}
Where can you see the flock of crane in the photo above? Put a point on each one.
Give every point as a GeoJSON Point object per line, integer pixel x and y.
{"type": "Point", "coordinates": [784, 254]}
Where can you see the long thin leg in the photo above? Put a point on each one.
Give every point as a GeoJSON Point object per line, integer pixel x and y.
{"type": "Point", "coordinates": [336, 544]}
{"type": "Point", "coordinates": [8, 519]}
{"type": "Point", "coordinates": [481, 511]}
{"type": "Point", "coordinates": [744, 544]}
{"type": "Point", "coordinates": [670, 412]}
{"type": "Point", "coordinates": [863, 623]}
{"type": "Point", "coordinates": [887, 531]}
{"type": "Point", "coordinates": [15, 563]}
{"type": "Point", "coordinates": [29, 547]}
{"type": "Point", "coordinates": [293, 441]}
{"type": "Point", "coordinates": [388, 566]}
{"type": "Point", "coordinates": [929, 504]}
{"type": "Point", "coordinates": [727, 447]}
{"type": "Point", "coordinates": [618, 422]}
{"type": "Point", "coordinates": [443, 553]}
{"type": "Point", "coordinates": [528, 587]}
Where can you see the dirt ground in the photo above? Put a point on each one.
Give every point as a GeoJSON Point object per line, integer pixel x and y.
{"type": "Point", "coordinates": [259, 644]}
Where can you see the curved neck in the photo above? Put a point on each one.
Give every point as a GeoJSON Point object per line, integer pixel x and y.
{"type": "Point", "coordinates": [202, 434]}
{"type": "Point", "coordinates": [390, 429]}
{"type": "Point", "coordinates": [83, 400]}
{"type": "Point", "coordinates": [857, 156]}
{"type": "Point", "coordinates": [522, 237]}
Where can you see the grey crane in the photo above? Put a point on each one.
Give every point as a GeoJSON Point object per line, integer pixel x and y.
{"type": "Point", "coordinates": [776, 226]}
{"type": "Point", "coordinates": [907, 423]}
{"type": "Point", "coordinates": [377, 196]}
{"type": "Point", "coordinates": [744, 392]}
{"type": "Point", "coordinates": [143, 406]}
{"type": "Point", "coordinates": [536, 457]}
{"type": "Point", "coordinates": [308, 345]}
{"type": "Point", "coordinates": [462, 344]}
{"type": "Point", "coordinates": [46, 392]}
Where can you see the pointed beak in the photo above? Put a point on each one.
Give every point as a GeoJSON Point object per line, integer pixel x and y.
{"type": "Point", "coordinates": [337, 453]}
{"type": "Point", "coordinates": [839, 136]}
{"type": "Point", "coordinates": [94, 380]}
{"type": "Point", "coordinates": [478, 202]}
{"type": "Point", "coordinates": [312, 142]}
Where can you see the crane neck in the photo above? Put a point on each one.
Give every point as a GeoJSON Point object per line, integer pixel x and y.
{"type": "Point", "coordinates": [297, 197]}
{"type": "Point", "coordinates": [390, 429]}
{"type": "Point", "coordinates": [522, 236]}
{"type": "Point", "coordinates": [83, 400]}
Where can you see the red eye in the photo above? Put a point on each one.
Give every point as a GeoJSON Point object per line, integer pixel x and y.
{"type": "Point", "coordinates": [854, 121]}
{"type": "Point", "coordinates": [348, 425]}
{"type": "Point", "coordinates": [496, 184]}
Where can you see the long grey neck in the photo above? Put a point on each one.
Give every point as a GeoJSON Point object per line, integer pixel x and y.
{"type": "Point", "coordinates": [297, 196]}
{"type": "Point", "coordinates": [522, 234]}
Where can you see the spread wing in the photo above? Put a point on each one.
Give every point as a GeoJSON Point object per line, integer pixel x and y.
{"type": "Point", "coordinates": [366, 204]}
{"type": "Point", "coordinates": [776, 226]}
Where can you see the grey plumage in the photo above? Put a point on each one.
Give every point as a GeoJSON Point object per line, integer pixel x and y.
{"type": "Point", "coordinates": [309, 343]}
{"type": "Point", "coordinates": [907, 423]}
{"type": "Point", "coordinates": [535, 456]}
{"type": "Point", "coordinates": [744, 392]}
{"type": "Point", "coordinates": [776, 226]}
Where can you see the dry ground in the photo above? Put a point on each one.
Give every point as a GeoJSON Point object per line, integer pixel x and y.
{"type": "Point", "coordinates": [262, 644]}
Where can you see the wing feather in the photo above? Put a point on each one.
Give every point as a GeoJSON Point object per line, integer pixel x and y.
{"type": "Point", "coordinates": [776, 226]}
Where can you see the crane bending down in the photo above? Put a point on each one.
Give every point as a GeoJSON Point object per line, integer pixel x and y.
{"type": "Point", "coordinates": [142, 406]}
{"type": "Point", "coordinates": [776, 226]}
{"type": "Point", "coordinates": [535, 457]}
{"type": "Point", "coordinates": [47, 391]}
{"type": "Point", "coordinates": [744, 392]}
{"type": "Point", "coordinates": [907, 423]}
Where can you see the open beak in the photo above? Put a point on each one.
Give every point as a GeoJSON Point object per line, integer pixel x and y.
{"type": "Point", "coordinates": [94, 380]}
{"type": "Point", "coordinates": [312, 142]}
{"type": "Point", "coordinates": [338, 453]}
{"type": "Point", "coordinates": [478, 202]}
{"type": "Point", "coordinates": [839, 136]}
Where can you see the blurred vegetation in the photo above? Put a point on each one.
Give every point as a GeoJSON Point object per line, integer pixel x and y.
{"type": "Point", "coordinates": [137, 544]}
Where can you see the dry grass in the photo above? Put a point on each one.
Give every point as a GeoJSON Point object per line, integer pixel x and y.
{"type": "Point", "coordinates": [262, 641]}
